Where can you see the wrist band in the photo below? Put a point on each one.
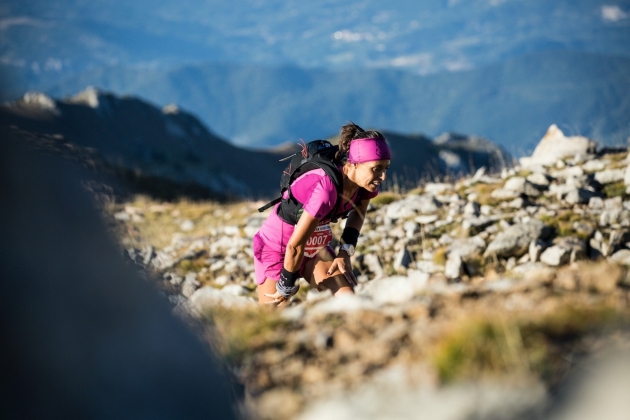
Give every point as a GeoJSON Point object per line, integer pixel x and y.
{"type": "Point", "coordinates": [289, 278]}
{"type": "Point", "coordinates": [286, 285]}
{"type": "Point", "coordinates": [350, 236]}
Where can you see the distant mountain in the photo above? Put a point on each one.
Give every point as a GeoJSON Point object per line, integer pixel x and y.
{"type": "Point", "coordinates": [512, 102]}
{"type": "Point", "coordinates": [168, 152]}
{"type": "Point", "coordinates": [58, 38]}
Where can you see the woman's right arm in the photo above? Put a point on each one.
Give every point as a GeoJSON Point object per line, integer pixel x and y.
{"type": "Point", "coordinates": [293, 256]}
{"type": "Point", "coordinates": [304, 228]}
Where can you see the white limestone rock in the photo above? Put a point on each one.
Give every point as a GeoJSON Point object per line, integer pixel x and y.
{"type": "Point", "coordinates": [504, 194]}
{"type": "Point", "coordinates": [190, 285]}
{"type": "Point", "coordinates": [538, 179]}
{"type": "Point", "coordinates": [411, 206]}
{"type": "Point", "coordinates": [467, 248]}
{"type": "Point", "coordinates": [610, 176]}
{"type": "Point", "coordinates": [595, 165]}
{"type": "Point", "coordinates": [41, 101]}
{"type": "Point", "coordinates": [208, 297]}
{"type": "Point", "coordinates": [579, 196]}
{"type": "Point", "coordinates": [555, 145]}
{"type": "Point", "coordinates": [394, 290]}
{"type": "Point", "coordinates": [373, 264]}
{"type": "Point", "coordinates": [565, 250]}
{"type": "Point", "coordinates": [435, 188]}
{"type": "Point", "coordinates": [555, 256]}
{"type": "Point", "coordinates": [621, 257]}
{"type": "Point", "coordinates": [454, 266]}
{"type": "Point", "coordinates": [235, 289]}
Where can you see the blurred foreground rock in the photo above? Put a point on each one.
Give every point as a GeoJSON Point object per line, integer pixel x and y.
{"type": "Point", "coordinates": [84, 336]}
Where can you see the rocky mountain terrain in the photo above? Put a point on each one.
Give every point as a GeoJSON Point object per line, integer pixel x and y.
{"type": "Point", "coordinates": [168, 152]}
{"type": "Point", "coordinates": [478, 297]}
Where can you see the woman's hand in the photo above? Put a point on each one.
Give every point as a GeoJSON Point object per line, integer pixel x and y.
{"type": "Point", "coordinates": [278, 300]}
{"type": "Point", "coordinates": [284, 292]}
{"type": "Point", "coordinates": [344, 265]}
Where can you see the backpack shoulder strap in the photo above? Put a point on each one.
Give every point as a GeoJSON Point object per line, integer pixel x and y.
{"type": "Point", "coordinates": [270, 204]}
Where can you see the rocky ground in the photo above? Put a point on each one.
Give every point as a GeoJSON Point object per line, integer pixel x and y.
{"type": "Point", "coordinates": [502, 281]}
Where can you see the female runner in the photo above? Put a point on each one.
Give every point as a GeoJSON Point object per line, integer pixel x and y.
{"type": "Point", "coordinates": [283, 252]}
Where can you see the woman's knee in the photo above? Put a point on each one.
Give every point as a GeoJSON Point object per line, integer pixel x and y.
{"type": "Point", "coordinates": [268, 287]}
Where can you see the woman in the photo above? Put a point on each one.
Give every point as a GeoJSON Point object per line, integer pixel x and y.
{"type": "Point", "coordinates": [283, 252]}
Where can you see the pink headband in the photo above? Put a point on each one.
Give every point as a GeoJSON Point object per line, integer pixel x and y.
{"type": "Point", "coordinates": [367, 150]}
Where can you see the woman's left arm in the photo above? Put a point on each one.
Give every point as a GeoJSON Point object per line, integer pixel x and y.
{"type": "Point", "coordinates": [357, 215]}
{"type": "Point", "coordinates": [342, 261]}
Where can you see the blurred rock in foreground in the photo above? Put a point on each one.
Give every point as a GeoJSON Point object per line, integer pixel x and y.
{"type": "Point", "coordinates": [83, 335]}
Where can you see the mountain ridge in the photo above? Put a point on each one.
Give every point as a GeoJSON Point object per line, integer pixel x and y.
{"type": "Point", "coordinates": [511, 102]}
{"type": "Point", "coordinates": [172, 145]}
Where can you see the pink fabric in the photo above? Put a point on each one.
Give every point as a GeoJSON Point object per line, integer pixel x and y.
{"type": "Point", "coordinates": [318, 194]}
{"type": "Point", "coordinates": [368, 150]}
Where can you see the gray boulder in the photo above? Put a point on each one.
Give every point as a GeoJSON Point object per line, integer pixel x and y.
{"type": "Point", "coordinates": [514, 241]}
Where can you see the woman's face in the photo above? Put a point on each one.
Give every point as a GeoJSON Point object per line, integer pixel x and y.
{"type": "Point", "coordinates": [369, 175]}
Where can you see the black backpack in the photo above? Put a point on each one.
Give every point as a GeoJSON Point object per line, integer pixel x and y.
{"type": "Point", "coordinates": [316, 154]}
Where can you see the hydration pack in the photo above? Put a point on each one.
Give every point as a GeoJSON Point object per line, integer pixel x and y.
{"type": "Point", "coordinates": [316, 154]}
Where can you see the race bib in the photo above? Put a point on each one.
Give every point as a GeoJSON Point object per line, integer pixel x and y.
{"type": "Point", "coordinates": [319, 239]}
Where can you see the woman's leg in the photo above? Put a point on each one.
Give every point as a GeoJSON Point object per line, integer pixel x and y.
{"type": "Point", "coordinates": [267, 288]}
{"type": "Point", "coordinates": [316, 273]}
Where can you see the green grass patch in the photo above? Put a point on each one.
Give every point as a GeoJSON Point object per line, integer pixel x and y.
{"type": "Point", "coordinates": [562, 223]}
{"type": "Point", "coordinates": [617, 189]}
{"type": "Point", "coordinates": [497, 346]}
{"type": "Point", "coordinates": [385, 198]}
{"type": "Point", "coordinates": [241, 332]}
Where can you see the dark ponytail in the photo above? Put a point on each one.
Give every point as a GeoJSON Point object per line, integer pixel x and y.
{"type": "Point", "coordinates": [350, 132]}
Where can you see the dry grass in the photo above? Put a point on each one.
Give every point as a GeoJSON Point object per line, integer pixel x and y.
{"type": "Point", "coordinates": [241, 332]}
{"type": "Point", "coordinates": [484, 193]}
{"type": "Point", "coordinates": [157, 223]}
{"type": "Point", "coordinates": [507, 345]}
